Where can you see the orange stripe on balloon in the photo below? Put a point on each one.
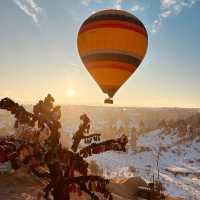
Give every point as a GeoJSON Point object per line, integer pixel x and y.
{"type": "Point", "coordinates": [113, 24]}
{"type": "Point", "coordinates": [109, 76]}
{"type": "Point", "coordinates": [110, 39]}
{"type": "Point", "coordinates": [110, 87]}
{"type": "Point", "coordinates": [110, 64]}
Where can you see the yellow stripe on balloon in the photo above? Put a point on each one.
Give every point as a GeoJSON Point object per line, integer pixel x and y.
{"type": "Point", "coordinates": [113, 38]}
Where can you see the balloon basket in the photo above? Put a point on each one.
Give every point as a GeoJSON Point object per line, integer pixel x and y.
{"type": "Point", "coordinates": [108, 101]}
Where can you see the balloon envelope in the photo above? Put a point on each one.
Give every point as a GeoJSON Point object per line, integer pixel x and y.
{"type": "Point", "coordinates": [112, 44]}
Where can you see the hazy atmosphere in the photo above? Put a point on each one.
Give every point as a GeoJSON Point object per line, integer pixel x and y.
{"type": "Point", "coordinates": [39, 38]}
{"type": "Point", "coordinates": [99, 100]}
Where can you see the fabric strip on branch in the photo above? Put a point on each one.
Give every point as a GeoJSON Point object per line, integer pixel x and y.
{"type": "Point", "coordinates": [96, 148]}
{"type": "Point", "coordinates": [21, 115]}
{"type": "Point", "coordinates": [49, 159]}
{"type": "Point", "coordinates": [95, 137]}
{"type": "Point", "coordinates": [82, 133]}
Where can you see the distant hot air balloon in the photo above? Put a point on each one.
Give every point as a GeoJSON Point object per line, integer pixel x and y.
{"type": "Point", "coordinates": [112, 44]}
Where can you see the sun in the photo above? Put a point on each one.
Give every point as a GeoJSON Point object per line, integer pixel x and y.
{"type": "Point", "coordinates": [71, 92]}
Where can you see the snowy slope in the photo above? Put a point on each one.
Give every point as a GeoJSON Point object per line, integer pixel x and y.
{"type": "Point", "coordinates": [179, 163]}
{"type": "Point", "coordinates": [177, 158]}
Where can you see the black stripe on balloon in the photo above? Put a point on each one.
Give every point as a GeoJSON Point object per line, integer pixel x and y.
{"type": "Point", "coordinates": [132, 19]}
{"type": "Point", "coordinates": [112, 57]}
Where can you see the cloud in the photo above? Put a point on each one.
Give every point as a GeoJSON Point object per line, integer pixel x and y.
{"type": "Point", "coordinates": [30, 8]}
{"type": "Point", "coordinates": [166, 14]}
{"type": "Point", "coordinates": [118, 4]}
{"type": "Point", "coordinates": [170, 8]}
{"type": "Point", "coordinates": [137, 7]}
{"type": "Point", "coordinates": [86, 2]}
{"type": "Point", "coordinates": [168, 3]}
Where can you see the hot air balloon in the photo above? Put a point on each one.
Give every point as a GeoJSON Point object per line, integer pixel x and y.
{"type": "Point", "coordinates": [112, 44]}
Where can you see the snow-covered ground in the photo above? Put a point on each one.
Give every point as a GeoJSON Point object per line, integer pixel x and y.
{"type": "Point", "coordinates": [179, 163]}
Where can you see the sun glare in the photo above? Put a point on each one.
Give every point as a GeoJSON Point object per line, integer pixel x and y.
{"type": "Point", "coordinates": [71, 92]}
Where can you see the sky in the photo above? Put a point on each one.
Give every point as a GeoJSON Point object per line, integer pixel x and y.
{"type": "Point", "coordinates": [38, 52]}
